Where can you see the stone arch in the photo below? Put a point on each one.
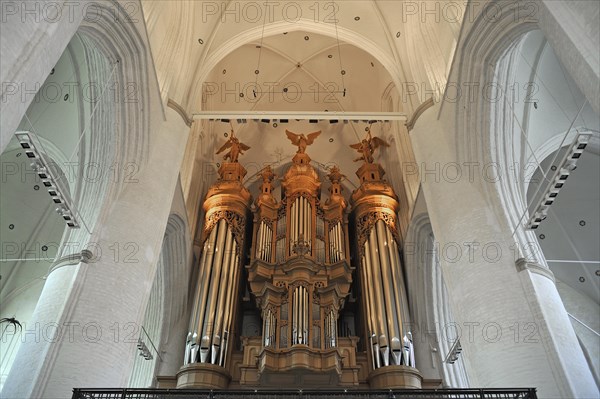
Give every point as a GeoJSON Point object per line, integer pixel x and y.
{"type": "Point", "coordinates": [117, 137]}
{"type": "Point", "coordinates": [346, 35]}
{"type": "Point", "coordinates": [166, 307]}
{"type": "Point", "coordinates": [486, 132]}
{"type": "Point", "coordinates": [430, 307]}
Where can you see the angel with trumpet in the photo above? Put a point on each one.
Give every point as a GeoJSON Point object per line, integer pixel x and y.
{"type": "Point", "coordinates": [236, 148]}
{"type": "Point", "coordinates": [367, 147]}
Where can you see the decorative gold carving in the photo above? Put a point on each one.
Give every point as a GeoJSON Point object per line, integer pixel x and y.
{"type": "Point", "coordinates": [301, 140]}
{"type": "Point", "coordinates": [365, 223]}
{"type": "Point", "coordinates": [368, 146]}
{"type": "Point", "coordinates": [236, 222]}
{"type": "Point", "coordinates": [236, 148]}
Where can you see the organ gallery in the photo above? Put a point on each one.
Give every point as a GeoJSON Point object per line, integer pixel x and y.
{"type": "Point", "coordinates": [316, 272]}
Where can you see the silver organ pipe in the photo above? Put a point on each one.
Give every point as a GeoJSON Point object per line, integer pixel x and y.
{"type": "Point", "coordinates": [292, 233]}
{"type": "Point", "coordinates": [308, 233]}
{"type": "Point", "coordinates": [261, 240]}
{"type": "Point", "coordinates": [385, 297]}
{"type": "Point", "coordinates": [305, 315]}
{"type": "Point", "coordinates": [203, 314]}
{"type": "Point", "coordinates": [269, 329]}
{"type": "Point", "coordinates": [301, 315]}
{"type": "Point", "coordinates": [302, 218]}
{"type": "Point", "coordinates": [199, 301]}
{"type": "Point", "coordinates": [330, 324]}
{"type": "Point", "coordinates": [295, 316]}
{"type": "Point", "coordinates": [212, 316]}
{"type": "Point", "coordinates": [230, 297]}
{"type": "Point", "coordinates": [373, 305]}
{"type": "Point", "coordinates": [224, 283]}
{"type": "Point", "coordinates": [377, 280]}
{"type": "Point", "coordinates": [263, 245]}
{"type": "Point", "coordinates": [208, 327]}
{"type": "Point", "coordinates": [336, 243]}
{"type": "Point", "coordinates": [340, 247]}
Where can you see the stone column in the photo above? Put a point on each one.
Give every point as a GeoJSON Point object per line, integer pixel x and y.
{"type": "Point", "coordinates": [512, 323]}
{"type": "Point", "coordinates": [86, 324]}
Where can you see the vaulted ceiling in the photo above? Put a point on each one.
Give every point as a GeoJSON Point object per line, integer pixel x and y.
{"type": "Point", "coordinates": [348, 56]}
{"type": "Point", "coordinates": [194, 41]}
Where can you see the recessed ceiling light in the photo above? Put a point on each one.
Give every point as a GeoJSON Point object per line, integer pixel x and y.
{"type": "Point", "coordinates": [66, 97]}
{"type": "Point", "coordinates": [285, 33]}
{"type": "Point", "coordinates": [582, 222]}
{"type": "Point", "coordinates": [11, 226]}
{"type": "Point", "coordinates": [224, 71]}
{"type": "Point", "coordinates": [285, 89]}
{"type": "Point", "coordinates": [397, 35]}
{"type": "Point", "coordinates": [274, 124]}
{"type": "Point", "coordinates": [200, 41]}
{"type": "Point", "coordinates": [372, 64]}
{"type": "Point", "coordinates": [581, 279]}
{"type": "Point", "coordinates": [306, 37]}
{"type": "Point", "coordinates": [343, 72]}
{"type": "Point", "coordinates": [218, 165]}
{"type": "Point", "coordinates": [357, 18]}
{"type": "Point", "coordinates": [258, 46]}
{"type": "Point", "coordinates": [44, 248]}
{"type": "Point", "coordinates": [598, 272]}
{"type": "Point", "coordinates": [18, 154]}
{"type": "Point", "coordinates": [241, 94]}
{"type": "Point", "coordinates": [256, 71]}
{"type": "Point", "coordinates": [36, 187]}
{"type": "Point", "coordinates": [225, 134]}
{"type": "Point", "coordinates": [52, 71]}
{"type": "Point", "coordinates": [331, 140]}
{"type": "Point", "coordinates": [542, 236]}
{"type": "Point", "coordinates": [553, 167]}
{"type": "Point", "coordinates": [330, 56]}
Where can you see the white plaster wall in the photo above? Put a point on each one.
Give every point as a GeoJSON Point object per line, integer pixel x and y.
{"type": "Point", "coordinates": [486, 291]}
{"type": "Point", "coordinates": [109, 293]}
{"type": "Point", "coordinates": [586, 311]}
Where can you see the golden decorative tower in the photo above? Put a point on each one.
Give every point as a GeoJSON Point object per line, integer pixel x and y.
{"type": "Point", "coordinates": [299, 295]}
{"type": "Point", "coordinates": [211, 334]}
{"type": "Point", "coordinates": [384, 299]}
{"type": "Point", "coordinates": [300, 276]}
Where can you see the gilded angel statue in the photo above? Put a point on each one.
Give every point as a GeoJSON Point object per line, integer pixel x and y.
{"type": "Point", "coordinates": [367, 147]}
{"type": "Point", "coordinates": [301, 140]}
{"type": "Point", "coordinates": [235, 148]}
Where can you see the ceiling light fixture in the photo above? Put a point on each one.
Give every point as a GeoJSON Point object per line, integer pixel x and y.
{"type": "Point", "coordinates": [563, 170]}
{"type": "Point", "coordinates": [59, 195]}
{"type": "Point", "coordinates": [259, 47]}
{"type": "Point", "coordinates": [337, 37]}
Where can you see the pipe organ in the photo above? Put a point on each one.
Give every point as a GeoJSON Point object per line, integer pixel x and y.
{"type": "Point", "coordinates": [302, 274]}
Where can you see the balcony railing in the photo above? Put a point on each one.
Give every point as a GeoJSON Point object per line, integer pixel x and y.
{"type": "Point", "coordinates": [490, 393]}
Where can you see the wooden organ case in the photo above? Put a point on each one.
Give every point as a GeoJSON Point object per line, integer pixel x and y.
{"type": "Point", "coordinates": [299, 273]}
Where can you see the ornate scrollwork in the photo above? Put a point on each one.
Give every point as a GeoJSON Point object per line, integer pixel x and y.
{"type": "Point", "coordinates": [331, 223]}
{"type": "Point", "coordinates": [365, 223]}
{"type": "Point", "coordinates": [267, 221]}
{"type": "Point", "coordinates": [236, 222]}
